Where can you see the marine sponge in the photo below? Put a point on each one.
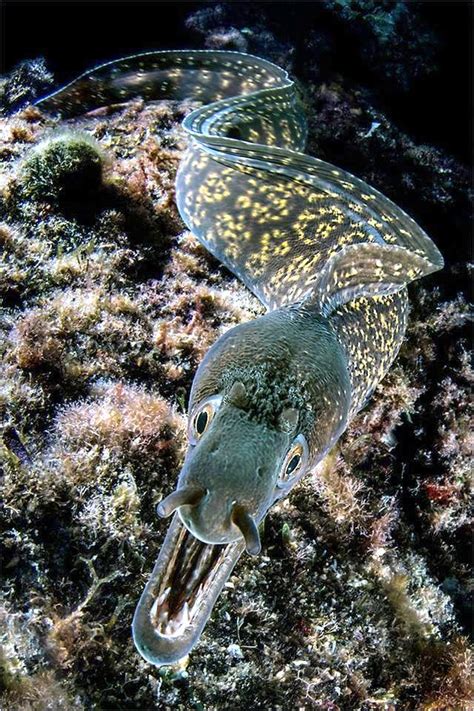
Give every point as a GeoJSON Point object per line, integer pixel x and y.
{"type": "Point", "coordinates": [63, 168]}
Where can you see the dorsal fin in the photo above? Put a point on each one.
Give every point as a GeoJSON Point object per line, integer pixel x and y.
{"type": "Point", "coordinates": [276, 226]}
{"type": "Point", "coordinates": [366, 270]}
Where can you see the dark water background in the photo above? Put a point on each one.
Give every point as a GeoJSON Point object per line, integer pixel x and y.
{"type": "Point", "coordinates": [73, 36]}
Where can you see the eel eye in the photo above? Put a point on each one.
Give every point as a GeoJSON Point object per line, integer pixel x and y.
{"type": "Point", "coordinates": [202, 417]}
{"type": "Point", "coordinates": [295, 461]}
{"type": "Point", "coordinates": [201, 421]}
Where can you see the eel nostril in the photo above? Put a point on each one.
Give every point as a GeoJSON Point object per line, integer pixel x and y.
{"type": "Point", "coordinates": [213, 448]}
{"type": "Point", "coordinates": [259, 472]}
{"type": "Point", "coordinates": [185, 496]}
{"type": "Point", "coordinates": [248, 528]}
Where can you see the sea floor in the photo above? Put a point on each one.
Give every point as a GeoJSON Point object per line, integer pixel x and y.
{"type": "Point", "coordinates": [360, 599]}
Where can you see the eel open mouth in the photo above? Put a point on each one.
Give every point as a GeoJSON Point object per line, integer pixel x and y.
{"type": "Point", "coordinates": [178, 599]}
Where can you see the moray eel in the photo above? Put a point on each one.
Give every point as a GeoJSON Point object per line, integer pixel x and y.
{"type": "Point", "coordinates": [330, 258]}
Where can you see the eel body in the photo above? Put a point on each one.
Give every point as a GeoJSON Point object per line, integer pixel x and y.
{"type": "Point", "coordinates": [330, 258]}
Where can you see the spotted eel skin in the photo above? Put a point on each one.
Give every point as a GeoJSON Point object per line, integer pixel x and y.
{"type": "Point", "coordinates": [328, 255]}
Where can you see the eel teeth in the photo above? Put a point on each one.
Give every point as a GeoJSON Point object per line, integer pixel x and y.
{"type": "Point", "coordinates": [182, 618]}
{"type": "Point", "coordinates": [186, 615]}
{"type": "Point", "coordinates": [178, 624]}
{"type": "Point", "coordinates": [163, 596]}
{"type": "Point", "coordinates": [155, 612]}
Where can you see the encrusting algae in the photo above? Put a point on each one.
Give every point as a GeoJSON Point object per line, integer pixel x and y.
{"type": "Point", "coordinates": [102, 332]}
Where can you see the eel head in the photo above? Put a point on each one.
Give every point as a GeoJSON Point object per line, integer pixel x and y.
{"type": "Point", "coordinates": [252, 436]}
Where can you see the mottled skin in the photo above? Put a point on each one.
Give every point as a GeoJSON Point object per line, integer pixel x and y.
{"type": "Point", "coordinates": [288, 359]}
{"type": "Point", "coordinates": [327, 254]}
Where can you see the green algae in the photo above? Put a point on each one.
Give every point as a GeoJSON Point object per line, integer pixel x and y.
{"type": "Point", "coordinates": [64, 168]}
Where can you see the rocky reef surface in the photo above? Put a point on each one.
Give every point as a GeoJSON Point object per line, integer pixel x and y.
{"type": "Point", "coordinates": [361, 598]}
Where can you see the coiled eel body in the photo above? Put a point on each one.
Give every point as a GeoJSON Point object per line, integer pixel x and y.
{"type": "Point", "coordinates": [329, 256]}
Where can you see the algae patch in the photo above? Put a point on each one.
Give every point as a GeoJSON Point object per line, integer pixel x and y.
{"type": "Point", "coordinates": [62, 168]}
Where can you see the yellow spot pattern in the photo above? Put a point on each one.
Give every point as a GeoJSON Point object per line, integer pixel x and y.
{"type": "Point", "coordinates": [270, 213]}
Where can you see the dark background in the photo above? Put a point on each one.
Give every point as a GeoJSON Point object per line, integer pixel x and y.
{"type": "Point", "coordinates": [73, 36]}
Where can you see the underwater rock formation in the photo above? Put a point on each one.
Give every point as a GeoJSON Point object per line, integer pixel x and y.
{"type": "Point", "coordinates": [361, 597]}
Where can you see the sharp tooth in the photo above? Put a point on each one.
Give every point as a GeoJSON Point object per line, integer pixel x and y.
{"type": "Point", "coordinates": [163, 617]}
{"type": "Point", "coordinates": [178, 620]}
{"type": "Point", "coordinates": [170, 628]}
{"type": "Point", "coordinates": [186, 618]}
{"type": "Point", "coordinates": [154, 609]}
{"type": "Point", "coordinates": [184, 615]}
{"type": "Point", "coordinates": [155, 612]}
{"type": "Point", "coordinates": [163, 596]}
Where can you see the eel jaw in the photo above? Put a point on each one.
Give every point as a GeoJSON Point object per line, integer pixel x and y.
{"type": "Point", "coordinates": [178, 599]}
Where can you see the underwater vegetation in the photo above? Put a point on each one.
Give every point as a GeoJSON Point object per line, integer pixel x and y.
{"type": "Point", "coordinates": [362, 596]}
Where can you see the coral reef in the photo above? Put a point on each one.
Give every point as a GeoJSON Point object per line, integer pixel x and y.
{"type": "Point", "coordinates": [361, 598]}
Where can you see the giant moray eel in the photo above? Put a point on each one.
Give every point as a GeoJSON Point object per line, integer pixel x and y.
{"type": "Point", "coordinates": [329, 256]}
